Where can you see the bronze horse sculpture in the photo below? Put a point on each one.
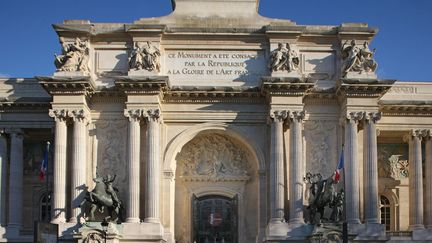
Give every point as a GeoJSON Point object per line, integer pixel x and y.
{"type": "Point", "coordinates": [103, 196]}
{"type": "Point", "coordinates": [323, 193]}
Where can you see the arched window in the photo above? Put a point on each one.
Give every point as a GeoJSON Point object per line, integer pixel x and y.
{"type": "Point", "coordinates": [385, 212]}
{"type": "Point", "coordinates": [45, 207]}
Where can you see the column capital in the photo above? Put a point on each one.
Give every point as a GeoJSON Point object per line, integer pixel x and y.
{"type": "Point", "coordinates": [355, 116]}
{"type": "Point", "coordinates": [133, 114]}
{"type": "Point", "coordinates": [297, 115]}
{"type": "Point", "coordinates": [14, 132]}
{"type": "Point", "coordinates": [79, 115]}
{"type": "Point", "coordinates": [372, 116]}
{"type": "Point", "coordinates": [152, 115]}
{"type": "Point", "coordinates": [278, 115]}
{"type": "Point", "coordinates": [420, 133]}
{"type": "Point", "coordinates": [58, 114]}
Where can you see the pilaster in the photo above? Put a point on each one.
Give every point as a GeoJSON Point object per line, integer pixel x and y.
{"type": "Point", "coordinates": [416, 180]}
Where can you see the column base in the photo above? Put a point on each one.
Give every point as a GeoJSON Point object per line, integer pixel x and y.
{"type": "Point", "coordinates": [13, 231]}
{"type": "Point", "coordinates": [415, 227]}
{"type": "Point", "coordinates": [276, 232]}
{"type": "Point", "coordinates": [152, 220]}
{"type": "Point", "coordinates": [133, 220]}
{"type": "Point", "coordinates": [145, 232]}
{"type": "Point", "coordinates": [422, 234]}
{"type": "Point", "coordinates": [370, 232]}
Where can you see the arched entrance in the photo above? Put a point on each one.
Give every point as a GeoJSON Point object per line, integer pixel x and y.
{"type": "Point", "coordinates": [215, 219]}
{"type": "Point", "coordinates": [216, 167]}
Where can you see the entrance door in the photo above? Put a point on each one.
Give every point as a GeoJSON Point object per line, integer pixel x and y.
{"type": "Point", "coordinates": [215, 219]}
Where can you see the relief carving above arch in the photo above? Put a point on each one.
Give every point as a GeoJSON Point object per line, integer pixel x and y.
{"type": "Point", "coordinates": [213, 157]}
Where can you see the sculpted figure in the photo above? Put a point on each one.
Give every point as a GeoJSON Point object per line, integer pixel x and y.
{"type": "Point", "coordinates": [284, 58]}
{"type": "Point", "coordinates": [278, 58]}
{"type": "Point", "coordinates": [357, 59]}
{"type": "Point", "coordinates": [145, 56]}
{"type": "Point", "coordinates": [74, 57]}
{"type": "Point", "coordinates": [322, 195]}
{"type": "Point", "coordinates": [104, 195]}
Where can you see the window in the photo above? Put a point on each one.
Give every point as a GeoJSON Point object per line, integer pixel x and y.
{"type": "Point", "coordinates": [45, 208]}
{"type": "Point", "coordinates": [385, 212]}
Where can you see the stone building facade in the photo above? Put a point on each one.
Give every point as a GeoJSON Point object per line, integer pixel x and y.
{"type": "Point", "coordinates": [210, 118]}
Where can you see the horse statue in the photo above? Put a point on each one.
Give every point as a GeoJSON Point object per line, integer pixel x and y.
{"type": "Point", "coordinates": [103, 196]}
{"type": "Point", "coordinates": [322, 194]}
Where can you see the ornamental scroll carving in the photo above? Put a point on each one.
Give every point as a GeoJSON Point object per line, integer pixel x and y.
{"type": "Point", "coordinates": [393, 161]}
{"type": "Point", "coordinates": [213, 157]}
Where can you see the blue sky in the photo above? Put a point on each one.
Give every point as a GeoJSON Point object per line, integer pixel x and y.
{"type": "Point", "coordinates": [404, 49]}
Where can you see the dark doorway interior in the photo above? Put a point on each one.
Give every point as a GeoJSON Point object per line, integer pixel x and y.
{"type": "Point", "coordinates": [215, 219]}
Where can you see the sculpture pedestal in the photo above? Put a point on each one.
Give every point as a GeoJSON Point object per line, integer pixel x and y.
{"type": "Point", "coordinates": [361, 76]}
{"type": "Point", "coordinates": [284, 232]}
{"type": "Point", "coordinates": [141, 72]}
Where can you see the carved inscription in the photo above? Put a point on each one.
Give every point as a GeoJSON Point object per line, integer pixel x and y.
{"type": "Point", "coordinates": [246, 66]}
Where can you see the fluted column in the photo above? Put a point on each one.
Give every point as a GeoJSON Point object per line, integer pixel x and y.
{"type": "Point", "coordinates": [428, 177]}
{"type": "Point", "coordinates": [59, 190]}
{"type": "Point", "coordinates": [153, 172]}
{"type": "Point", "coordinates": [371, 167]}
{"type": "Point", "coordinates": [79, 159]}
{"type": "Point", "coordinates": [133, 165]}
{"type": "Point", "coordinates": [296, 168]}
{"type": "Point", "coordinates": [416, 181]}
{"type": "Point", "coordinates": [16, 182]}
{"type": "Point", "coordinates": [277, 118]}
{"type": "Point", "coordinates": [3, 174]}
{"type": "Point", "coordinates": [352, 185]}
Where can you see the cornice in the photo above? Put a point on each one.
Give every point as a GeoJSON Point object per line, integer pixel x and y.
{"type": "Point", "coordinates": [73, 85]}
{"type": "Point", "coordinates": [363, 88]}
{"type": "Point", "coordinates": [142, 84]}
{"type": "Point", "coordinates": [284, 86]}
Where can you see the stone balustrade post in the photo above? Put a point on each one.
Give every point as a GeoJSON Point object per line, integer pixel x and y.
{"type": "Point", "coordinates": [416, 180]}
{"type": "Point", "coordinates": [153, 171]}
{"type": "Point", "coordinates": [371, 167]}
{"type": "Point", "coordinates": [59, 185]}
{"type": "Point", "coordinates": [296, 168]}
{"type": "Point", "coordinates": [277, 185]}
{"type": "Point", "coordinates": [133, 165]}
{"type": "Point", "coordinates": [352, 168]}
{"type": "Point", "coordinates": [79, 161]}
{"type": "Point", "coordinates": [15, 183]}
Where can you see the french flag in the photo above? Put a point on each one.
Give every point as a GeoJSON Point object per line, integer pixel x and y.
{"type": "Point", "coordinates": [340, 167]}
{"type": "Point", "coordinates": [44, 164]}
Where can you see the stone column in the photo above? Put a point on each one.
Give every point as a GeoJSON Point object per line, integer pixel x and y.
{"type": "Point", "coordinates": [59, 190]}
{"type": "Point", "coordinates": [428, 177]}
{"type": "Point", "coordinates": [296, 168]}
{"type": "Point", "coordinates": [3, 174]}
{"type": "Point", "coordinates": [133, 165]}
{"type": "Point", "coordinates": [153, 171]}
{"type": "Point", "coordinates": [15, 183]}
{"type": "Point", "coordinates": [416, 181]}
{"type": "Point", "coordinates": [79, 161]}
{"type": "Point", "coordinates": [370, 157]}
{"type": "Point", "coordinates": [277, 166]}
{"type": "Point", "coordinates": [352, 185]}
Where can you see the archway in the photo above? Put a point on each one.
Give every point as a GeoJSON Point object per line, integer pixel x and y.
{"type": "Point", "coordinates": [215, 160]}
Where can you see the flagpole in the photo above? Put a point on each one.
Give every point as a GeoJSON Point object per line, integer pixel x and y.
{"type": "Point", "coordinates": [344, 224]}
{"type": "Point", "coordinates": [46, 176]}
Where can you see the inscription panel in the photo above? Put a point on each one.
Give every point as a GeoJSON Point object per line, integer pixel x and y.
{"type": "Point", "coordinates": [215, 67]}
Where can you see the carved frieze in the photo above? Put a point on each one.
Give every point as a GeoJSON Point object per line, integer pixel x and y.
{"type": "Point", "coordinates": [213, 157]}
{"type": "Point", "coordinates": [321, 142]}
{"type": "Point", "coordinates": [111, 150]}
